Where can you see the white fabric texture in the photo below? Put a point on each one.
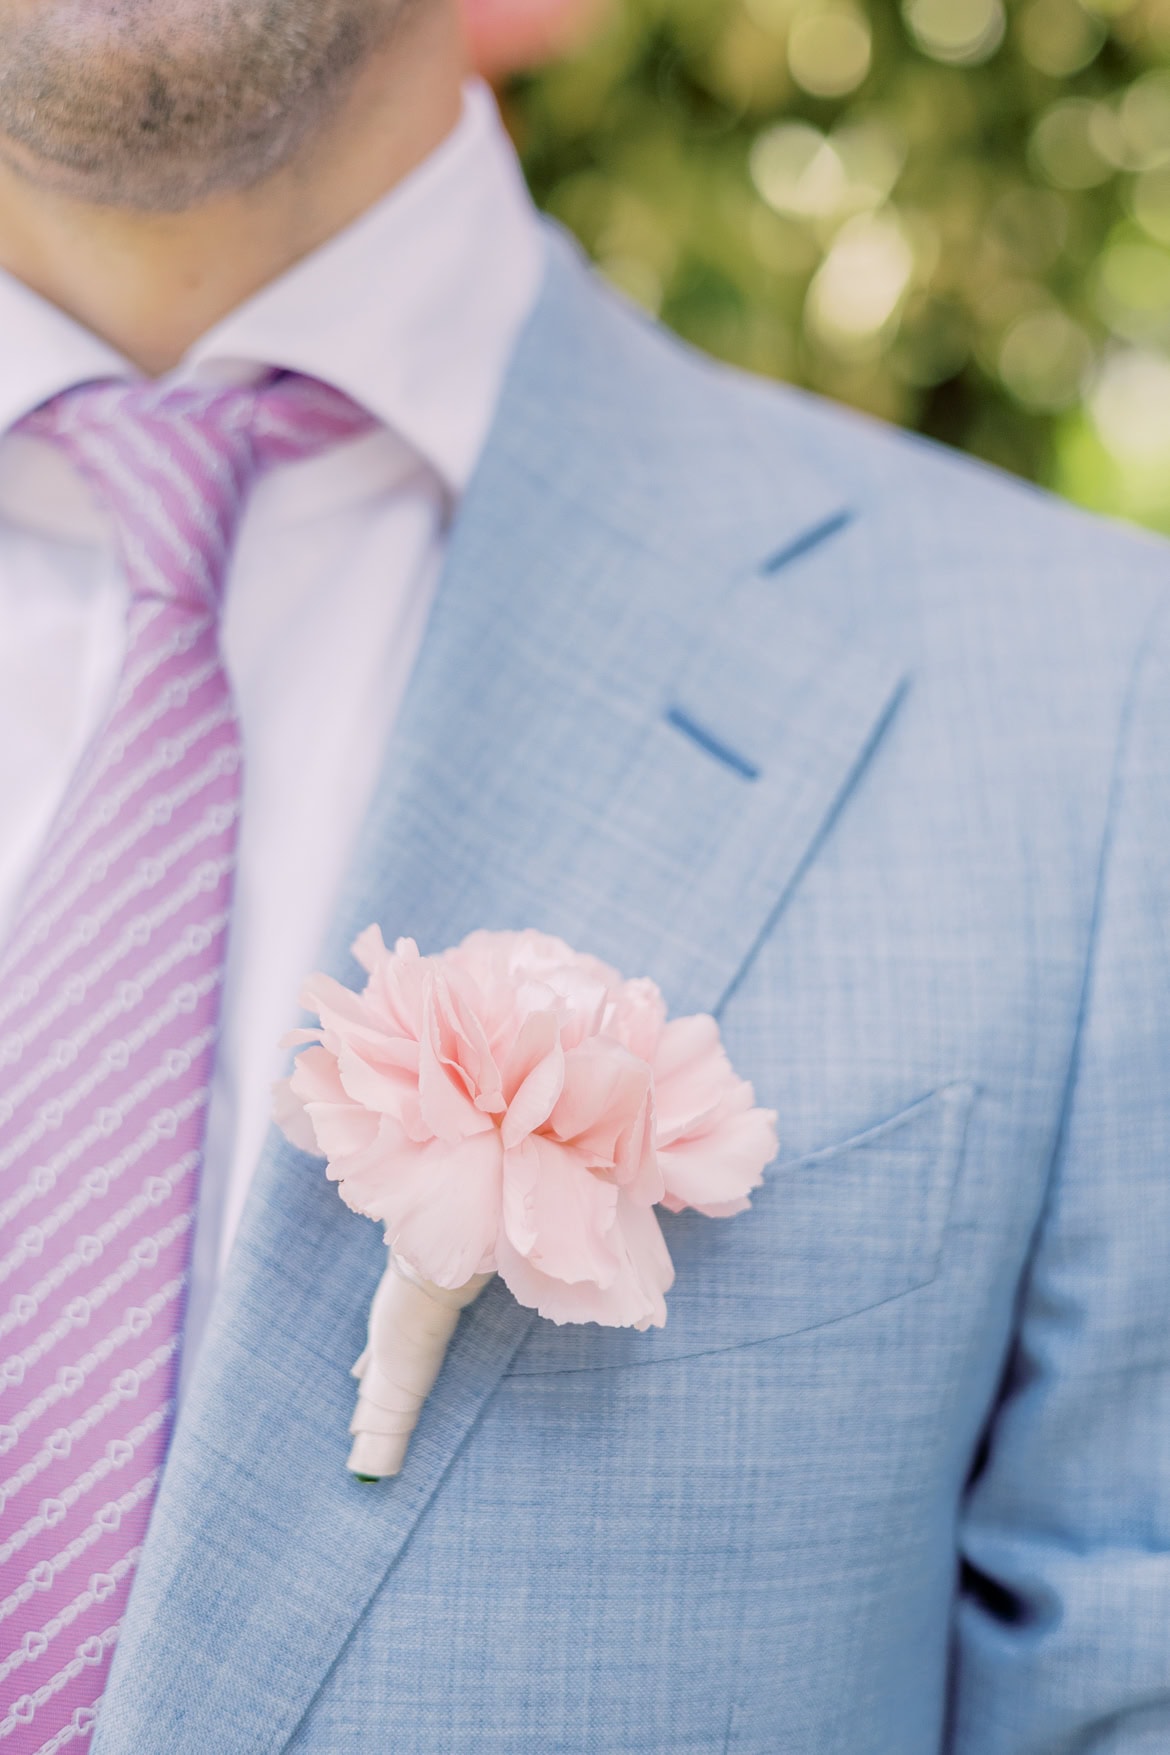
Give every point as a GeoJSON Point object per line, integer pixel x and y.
{"type": "Point", "coordinates": [413, 311]}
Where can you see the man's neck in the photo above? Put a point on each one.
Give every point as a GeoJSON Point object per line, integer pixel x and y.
{"type": "Point", "coordinates": [151, 283]}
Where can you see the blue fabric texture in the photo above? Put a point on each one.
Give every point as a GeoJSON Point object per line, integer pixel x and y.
{"type": "Point", "coordinates": [866, 749]}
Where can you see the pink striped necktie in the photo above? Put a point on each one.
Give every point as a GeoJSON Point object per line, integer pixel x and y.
{"type": "Point", "coordinates": [109, 1001]}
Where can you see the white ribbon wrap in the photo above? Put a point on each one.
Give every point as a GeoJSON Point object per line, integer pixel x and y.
{"type": "Point", "coordinates": [411, 1324]}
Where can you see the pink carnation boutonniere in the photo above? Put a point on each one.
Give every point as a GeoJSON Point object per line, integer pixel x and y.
{"type": "Point", "coordinates": [510, 1106]}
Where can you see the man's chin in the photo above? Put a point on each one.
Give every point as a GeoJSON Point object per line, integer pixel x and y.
{"type": "Point", "coordinates": [112, 109]}
{"type": "Point", "coordinates": [154, 183]}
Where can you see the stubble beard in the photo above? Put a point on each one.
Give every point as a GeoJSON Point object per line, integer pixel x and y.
{"type": "Point", "coordinates": [160, 105]}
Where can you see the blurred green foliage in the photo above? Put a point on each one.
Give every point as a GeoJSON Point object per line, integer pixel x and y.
{"type": "Point", "coordinates": [953, 213]}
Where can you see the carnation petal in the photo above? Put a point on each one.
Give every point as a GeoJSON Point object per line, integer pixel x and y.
{"type": "Point", "coordinates": [535, 1073]}
{"type": "Point", "coordinates": [647, 1259]}
{"type": "Point", "coordinates": [395, 988]}
{"type": "Point", "coordinates": [381, 1088]}
{"type": "Point", "coordinates": [635, 1297]}
{"type": "Point", "coordinates": [339, 1125]}
{"type": "Point", "coordinates": [605, 1089]}
{"type": "Point", "coordinates": [342, 1129]}
{"type": "Point", "coordinates": [369, 949]}
{"type": "Point", "coordinates": [692, 1075]}
{"type": "Point", "coordinates": [315, 1078]}
{"type": "Point", "coordinates": [713, 1170]}
{"type": "Point", "coordinates": [636, 1165]}
{"type": "Point", "coordinates": [464, 1044]}
{"type": "Point", "coordinates": [519, 973]}
{"type": "Point", "coordinates": [518, 1199]}
{"type": "Point", "coordinates": [569, 1211]}
{"type": "Point", "coordinates": [447, 1108]}
{"type": "Point", "coordinates": [288, 1112]}
{"type": "Point", "coordinates": [439, 1202]}
{"type": "Point", "coordinates": [332, 1000]}
{"type": "Point", "coordinates": [635, 1015]}
{"type": "Point", "coordinates": [359, 1028]}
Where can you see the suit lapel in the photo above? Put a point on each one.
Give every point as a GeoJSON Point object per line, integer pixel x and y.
{"type": "Point", "coordinates": [619, 731]}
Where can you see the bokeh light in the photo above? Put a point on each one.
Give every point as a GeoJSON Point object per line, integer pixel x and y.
{"type": "Point", "coordinates": [829, 49]}
{"type": "Point", "coordinates": [952, 213]}
{"type": "Point", "coordinates": [963, 32]}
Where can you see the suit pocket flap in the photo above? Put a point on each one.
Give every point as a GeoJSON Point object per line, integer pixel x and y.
{"type": "Point", "coordinates": [829, 1234]}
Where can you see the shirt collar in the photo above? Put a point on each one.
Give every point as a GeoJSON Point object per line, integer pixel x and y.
{"type": "Point", "coordinates": [43, 351]}
{"type": "Point", "coordinates": [413, 309]}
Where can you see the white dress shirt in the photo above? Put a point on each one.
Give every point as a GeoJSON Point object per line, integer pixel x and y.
{"type": "Point", "coordinates": [413, 310]}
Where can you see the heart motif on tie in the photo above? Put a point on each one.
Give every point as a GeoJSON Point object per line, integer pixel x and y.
{"type": "Point", "coordinates": [70, 1378]}
{"type": "Point", "coordinates": [166, 1124]}
{"type": "Point", "coordinates": [119, 1452]}
{"type": "Point", "coordinates": [91, 1650]}
{"type": "Point", "coordinates": [110, 1515]}
{"type": "Point", "coordinates": [101, 1584]}
{"type": "Point", "coordinates": [52, 1510]}
{"type": "Point", "coordinates": [42, 1575]}
{"type": "Point", "coordinates": [137, 1320]}
{"type": "Point", "coordinates": [126, 1383]}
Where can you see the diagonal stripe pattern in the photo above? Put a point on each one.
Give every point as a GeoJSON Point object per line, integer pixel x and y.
{"type": "Point", "coordinates": [109, 1004]}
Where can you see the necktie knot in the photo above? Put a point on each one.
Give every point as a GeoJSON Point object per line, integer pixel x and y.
{"type": "Point", "coordinates": [174, 465]}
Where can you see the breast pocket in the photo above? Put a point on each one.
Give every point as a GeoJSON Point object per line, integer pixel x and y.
{"type": "Point", "coordinates": [829, 1234]}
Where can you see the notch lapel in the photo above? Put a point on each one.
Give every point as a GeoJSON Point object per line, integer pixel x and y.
{"type": "Point", "coordinates": [600, 740]}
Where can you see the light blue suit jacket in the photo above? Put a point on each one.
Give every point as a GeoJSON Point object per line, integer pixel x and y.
{"type": "Point", "coordinates": [867, 750]}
